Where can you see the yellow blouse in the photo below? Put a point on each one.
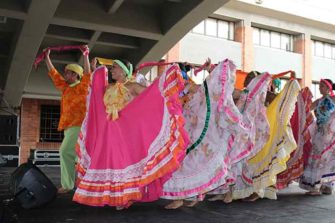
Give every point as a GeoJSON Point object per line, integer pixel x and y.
{"type": "Point", "coordinates": [116, 97]}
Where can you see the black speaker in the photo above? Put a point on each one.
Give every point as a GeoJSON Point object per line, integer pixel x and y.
{"type": "Point", "coordinates": [10, 154]}
{"type": "Point", "coordinates": [31, 187]}
{"type": "Point", "coordinates": [3, 162]}
{"type": "Point", "coordinates": [8, 131]}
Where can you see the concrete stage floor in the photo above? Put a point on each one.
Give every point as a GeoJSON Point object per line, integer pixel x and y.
{"type": "Point", "coordinates": [292, 206]}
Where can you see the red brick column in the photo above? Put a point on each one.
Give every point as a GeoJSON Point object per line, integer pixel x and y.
{"type": "Point", "coordinates": [244, 35]}
{"type": "Point", "coordinates": [303, 45]}
{"type": "Point", "coordinates": [30, 127]}
{"type": "Point", "coordinates": [30, 124]}
{"type": "Point", "coordinates": [173, 54]}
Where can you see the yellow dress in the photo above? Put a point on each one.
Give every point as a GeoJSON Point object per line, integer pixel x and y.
{"type": "Point", "coordinates": [116, 97]}
{"type": "Point", "coordinates": [272, 159]}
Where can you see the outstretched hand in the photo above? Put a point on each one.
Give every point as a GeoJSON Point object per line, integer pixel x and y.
{"type": "Point", "coordinates": [47, 59]}
{"type": "Point", "coordinates": [208, 64]}
{"type": "Point", "coordinates": [85, 50]}
{"type": "Point", "coordinates": [47, 52]}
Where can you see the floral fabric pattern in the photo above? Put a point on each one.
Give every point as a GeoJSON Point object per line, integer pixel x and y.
{"type": "Point", "coordinates": [320, 166]}
{"type": "Point", "coordinates": [73, 102]}
{"type": "Point", "coordinates": [206, 166]}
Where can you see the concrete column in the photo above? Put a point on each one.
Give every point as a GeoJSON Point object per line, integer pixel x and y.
{"type": "Point", "coordinates": [303, 45]}
{"type": "Point", "coordinates": [244, 35]}
{"type": "Point", "coordinates": [40, 15]}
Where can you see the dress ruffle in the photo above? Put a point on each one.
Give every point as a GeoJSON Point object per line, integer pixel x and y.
{"type": "Point", "coordinates": [129, 159]}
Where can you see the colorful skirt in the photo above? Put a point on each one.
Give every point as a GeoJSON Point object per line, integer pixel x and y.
{"type": "Point", "coordinates": [301, 120]}
{"type": "Point", "coordinates": [272, 158]}
{"type": "Point", "coordinates": [320, 166]}
{"type": "Point", "coordinates": [206, 120]}
{"type": "Point", "coordinates": [129, 159]}
{"type": "Point", "coordinates": [251, 104]}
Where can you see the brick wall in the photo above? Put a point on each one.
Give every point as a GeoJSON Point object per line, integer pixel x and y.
{"type": "Point", "coordinates": [30, 127]}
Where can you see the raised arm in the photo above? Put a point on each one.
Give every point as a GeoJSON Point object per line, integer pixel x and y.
{"type": "Point", "coordinates": [47, 59]}
{"type": "Point", "coordinates": [56, 77]}
{"type": "Point", "coordinates": [208, 63]}
{"type": "Point", "coordinates": [136, 88]}
{"type": "Point", "coordinates": [87, 67]}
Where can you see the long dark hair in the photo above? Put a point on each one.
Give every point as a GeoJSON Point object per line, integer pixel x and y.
{"type": "Point", "coordinates": [251, 75]}
{"type": "Point", "coordinates": [125, 62]}
{"type": "Point", "coordinates": [110, 78]}
{"type": "Point", "coordinates": [330, 82]}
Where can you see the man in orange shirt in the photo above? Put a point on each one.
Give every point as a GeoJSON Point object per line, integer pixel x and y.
{"type": "Point", "coordinates": [74, 87]}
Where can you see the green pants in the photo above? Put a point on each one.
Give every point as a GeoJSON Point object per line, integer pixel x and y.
{"type": "Point", "coordinates": [68, 157]}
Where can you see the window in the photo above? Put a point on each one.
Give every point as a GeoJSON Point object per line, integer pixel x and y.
{"type": "Point", "coordinates": [200, 28]}
{"type": "Point", "coordinates": [265, 37]}
{"type": "Point", "coordinates": [223, 29]}
{"type": "Point", "coordinates": [272, 39]}
{"type": "Point", "coordinates": [211, 27]}
{"type": "Point", "coordinates": [275, 40]}
{"type": "Point", "coordinates": [256, 36]}
{"type": "Point", "coordinates": [318, 48]}
{"type": "Point", "coordinates": [215, 27]}
{"type": "Point", "coordinates": [286, 42]}
{"type": "Point", "coordinates": [328, 50]}
{"type": "Point", "coordinates": [50, 115]}
{"type": "Point", "coordinates": [231, 31]}
{"type": "Point", "coordinates": [323, 49]}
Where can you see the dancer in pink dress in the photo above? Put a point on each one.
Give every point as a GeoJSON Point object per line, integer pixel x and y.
{"type": "Point", "coordinates": [129, 148]}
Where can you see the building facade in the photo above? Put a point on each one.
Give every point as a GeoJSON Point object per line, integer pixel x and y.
{"type": "Point", "coordinates": [265, 38]}
{"type": "Point", "coordinates": [255, 37]}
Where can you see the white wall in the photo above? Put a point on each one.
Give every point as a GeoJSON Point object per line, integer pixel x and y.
{"type": "Point", "coordinates": [196, 48]}
{"type": "Point", "coordinates": [323, 68]}
{"type": "Point", "coordinates": [318, 10]}
{"type": "Point", "coordinates": [276, 61]}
